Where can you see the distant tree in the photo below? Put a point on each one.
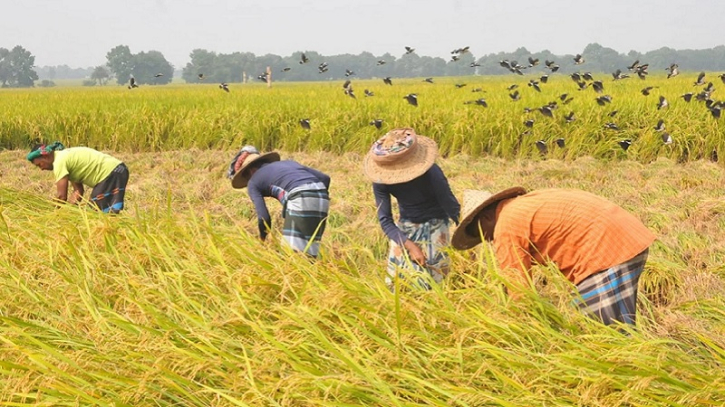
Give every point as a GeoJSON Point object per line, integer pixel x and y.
{"type": "Point", "coordinates": [100, 75]}
{"type": "Point", "coordinates": [16, 68]}
{"type": "Point", "coordinates": [121, 62]}
{"type": "Point", "coordinates": [46, 83]}
{"type": "Point", "coordinates": [152, 68]}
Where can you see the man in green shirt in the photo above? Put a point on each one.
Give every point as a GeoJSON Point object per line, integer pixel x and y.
{"type": "Point", "coordinates": [83, 166]}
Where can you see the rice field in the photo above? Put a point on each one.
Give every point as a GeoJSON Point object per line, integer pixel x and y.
{"type": "Point", "coordinates": [177, 303]}
{"type": "Point", "coordinates": [203, 116]}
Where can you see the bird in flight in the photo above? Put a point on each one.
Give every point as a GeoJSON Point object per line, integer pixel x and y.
{"type": "Point", "coordinates": [409, 50]}
{"type": "Point", "coordinates": [158, 75]}
{"type": "Point", "coordinates": [479, 102]}
{"type": "Point", "coordinates": [322, 68]}
{"type": "Point", "coordinates": [412, 98]}
{"type": "Point", "coordinates": [662, 103]}
{"type": "Point", "coordinates": [625, 144]}
{"type": "Point", "coordinates": [132, 83]}
{"type": "Point", "coordinates": [381, 62]}
{"type": "Point", "coordinates": [674, 71]}
{"type": "Point", "coordinates": [388, 81]}
{"type": "Point", "coordinates": [287, 69]}
{"type": "Point", "coordinates": [369, 93]}
{"type": "Point", "coordinates": [305, 123]}
{"type": "Point", "coordinates": [224, 86]}
{"type": "Point", "coordinates": [660, 125]}
{"type": "Point", "coordinates": [349, 72]}
{"type": "Point", "coordinates": [603, 100]}
{"type": "Point", "coordinates": [578, 59]}
{"type": "Point", "coordinates": [617, 75]}
{"type": "Point", "coordinates": [534, 84]}
{"type": "Point", "coordinates": [429, 80]}
{"type": "Point", "coordinates": [515, 96]}
{"type": "Point", "coordinates": [200, 76]}
{"type": "Point", "coordinates": [304, 59]}
{"type": "Point", "coordinates": [378, 123]}
{"type": "Point", "coordinates": [647, 90]}
{"type": "Point", "coordinates": [533, 62]}
{"type": "Point", "coordinates": [687, 96]}
{"type": "Point", "coordinates": [700, 79]}
{"type": "Point", "coordinates": [570, 117]}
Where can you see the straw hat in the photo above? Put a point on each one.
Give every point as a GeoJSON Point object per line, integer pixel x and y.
{"type": "Point", "coordinates": [399, 156]}
{"type": "Point", "coordinates": [240, 179]}
{"type": "Point", "coordinates": [473, 203]}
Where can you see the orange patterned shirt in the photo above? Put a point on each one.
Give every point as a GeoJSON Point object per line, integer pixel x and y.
{"type": "Point", "coordinates": [580, 232]}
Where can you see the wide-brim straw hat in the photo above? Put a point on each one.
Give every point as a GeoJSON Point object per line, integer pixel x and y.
{"type": "Point", "coordinates": [407, 164]}
{"type": "Point", "coordinates": [240, 179]}
{"type": "Point", "coordinates": [473, 203]}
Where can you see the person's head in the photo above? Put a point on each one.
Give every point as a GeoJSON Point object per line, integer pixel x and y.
{"type": "Point", "coordinates": [42, 156]}
{"type": "Point", "coordinates": [399, 156]}
{"type": "Point", "coordinates": [478, 217]}
{"type": "Point", "coordinates": [484, 223]}
{"type": "Point", "coordinates": [245, 163]}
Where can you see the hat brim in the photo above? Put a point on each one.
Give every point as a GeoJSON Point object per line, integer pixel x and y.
{"type": "Point", "coordinates": [240, 180]}
{"type": "Point", "coordinates": [407, 169]}
{"type": "Point", "coordinates": [462, 240]}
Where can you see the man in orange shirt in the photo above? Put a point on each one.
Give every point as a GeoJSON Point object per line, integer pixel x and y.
{"type": "Point", "coordinates": [598, 246]}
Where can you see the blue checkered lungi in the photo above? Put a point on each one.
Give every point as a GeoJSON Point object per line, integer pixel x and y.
{"type": "Point", "coordinates": [305, 215]}
{"type": "Point", "coordinates": [611, 295]}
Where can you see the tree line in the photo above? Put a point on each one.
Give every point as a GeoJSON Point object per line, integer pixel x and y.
{"type": "Point", "coordinates": [151, 67]}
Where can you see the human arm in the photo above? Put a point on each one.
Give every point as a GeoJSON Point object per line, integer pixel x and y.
{"type": "Point", "coordinates": [78, 191]}
{"type": "Point", "coordinates": [444, 195]}
{"type": "Point", "coordinates": [385, 217]}
{"type": "Point", "coordinates": [264, 220]}
{"type": "Point", "coordinates": [514, 257]}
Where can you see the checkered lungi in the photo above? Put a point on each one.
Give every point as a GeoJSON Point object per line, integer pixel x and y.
{"type": "Point", "coordinates": [305, 215]}
{"type": "Point", "coordinates": [611, 295]}
{"type": "Point", "coordinates": [432, 237]}
{"type": "Point", "coordinates": [108, 194]}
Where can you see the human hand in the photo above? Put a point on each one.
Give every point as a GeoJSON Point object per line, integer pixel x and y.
{"type": "Point", "coordinates": [416, 254]}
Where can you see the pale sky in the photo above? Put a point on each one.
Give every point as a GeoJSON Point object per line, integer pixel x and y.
{"type": "Point", "coordinates": [79, 33]}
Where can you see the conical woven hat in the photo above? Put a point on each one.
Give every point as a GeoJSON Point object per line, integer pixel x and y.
{"type": "Point", "coordinates": [241, 179]}
{"type": "Point", "coordinates": [406, 163]}
{"type": "Point", "coordinates": [473, 203]}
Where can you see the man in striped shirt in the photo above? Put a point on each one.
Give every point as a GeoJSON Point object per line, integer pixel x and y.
{"type": "Point", "coordinates": [597, 245]}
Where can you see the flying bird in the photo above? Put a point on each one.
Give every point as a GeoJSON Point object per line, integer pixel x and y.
{"type": "Point", "coordinates": [224, 86]}
{"type": "Point", "coordinates": [674, 71]}
{"type": "Point", "coordinates": [587, 76]}
{"type": "Point", "coordinates": [388, 81]}
{"type": "Point", "coordinates": [578, 59]}
{"type": "Point", "coordinates": [349, 72]}
{"type": "Point", "coordinates": [529, 123]}
{"type": "Point", "coordinates": [412, 98]}
{"type": "Point", "coordinates": [687, 96]}
{"type": "Point", "coordinates": [700, 79]}
{"type": "Point", "coordinates": [455, 58]}
{"type": "Point", "coordinates": [346, 84]}
{"type": "Point", "coordinates": [617, 75]}
{"type": "Point", "coordinates": [634, 66]}
{"type": "Point", "coordinates": [660, 125]}
{"type": "Point", "coordinates": [546, 111]}
{"type": "Point", "coordinates": [474, 64]}
{"type": "Point", "coordinates": [570, 117]}
{"type": "Point", "coordinates": [722, 77]}
{"type": "Point", "coordinates": [158, 75]}
{"type": "Point", "coordinates": [409, 50]}
{"type": "Point", "coordinates": [378, 123]}
{"type": "Point", "coordinates": [662, 103]}
{"type": "Point", "coordinates": [645, 91]}
{"type": "Point", "coordinates": [512, 87]}
{"type": "Point", "coordinates": [603, 100]}
{"type": "Point", "coordinates": [541, 145]}
{"type": "Point", "coordinates": [381, 62]}
{"type": "Point", "coordinates": [613, 113]}
{"type": "Point", "coordinates": [460, 85]}
{"type": "Point", "coordinates": [305, 123]}
{"type": "Point", "coordinates": [515, 96]}
{"type": "Point", "coordinates": [474, 90]}
{"type": "Point", "coordinates": [429, 80]}
{"type": "Point", "coordinates": [200, 76]}
{"type": "Point", "coordinates": [322, 68]}
{"type": "Point", "coordinates": [479, 102]}
{"type": "Point", "coordinates": [533, 62]}
{"type": "Point", "coordinates": [625, 144]}
{"type": "Point", "coordinates": [611, 126]}
{"type": "Point", "coordinates": [534, 84]}
{"type": "Point", "coordinates": [369, 93]}
{"type": "Point", "coordinates": [560, 142]}
{"type": "Point", "coordinates": [598, 86]}
{"type": "Point", "coordinates": [287, 69]}
{"type": "Point", "coordinates": [544, 78]}
{"type": "Point", "coordinates": [132, 83]}
{"type": "Point", "coordinates": [304, 59]}
{"type": "Point", "coordinates": [666, 138]}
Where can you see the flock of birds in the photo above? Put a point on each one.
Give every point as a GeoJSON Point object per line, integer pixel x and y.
{"type": "Point", "coordinates": [583, 81]}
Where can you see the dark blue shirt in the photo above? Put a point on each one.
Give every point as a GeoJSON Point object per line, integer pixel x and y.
{"type": "Point", "coordinates": [420, 200]}
{"type": "Point", "coordinates": [275, 180]}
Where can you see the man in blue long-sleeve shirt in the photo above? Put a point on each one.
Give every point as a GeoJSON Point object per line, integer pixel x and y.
{"type": "Point", "coordinates": [302, 191]}
{"type": "Point", "coordinates": [402, 164]}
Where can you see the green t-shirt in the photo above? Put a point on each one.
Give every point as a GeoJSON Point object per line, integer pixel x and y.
{"type": "Point", "coordinates": [83, 165]}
